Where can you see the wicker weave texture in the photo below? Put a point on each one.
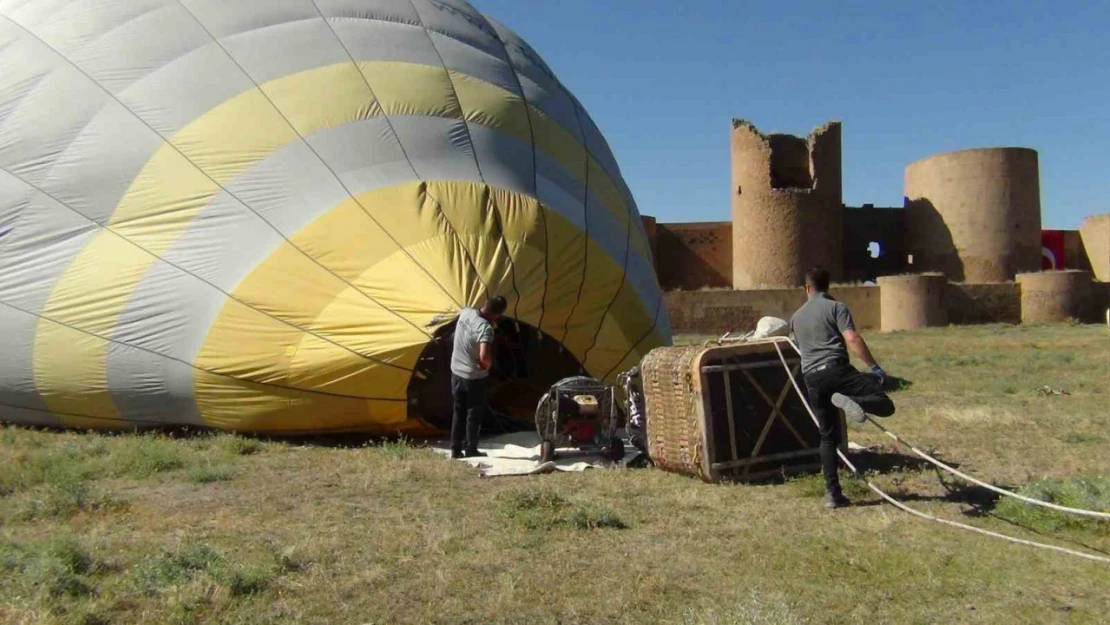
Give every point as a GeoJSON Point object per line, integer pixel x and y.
{"type": "Point", "coordinates": [672, 395]}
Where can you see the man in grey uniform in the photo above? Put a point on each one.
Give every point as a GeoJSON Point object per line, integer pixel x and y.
{"type": "Point", "coordinates": [824, 331]}
{"type": "Point", "coordinates": [471, 360]}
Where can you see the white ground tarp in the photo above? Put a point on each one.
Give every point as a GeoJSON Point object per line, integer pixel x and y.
{"type": "Point", "coordinates": [519, 454]}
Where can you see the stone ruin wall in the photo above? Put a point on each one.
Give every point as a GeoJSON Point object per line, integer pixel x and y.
{"type": "Point", "coordinates": [693, 256]}
{"type": "Point", "coordinates": [1095, 234]}
{"type": "Point", "coordinates": [973, 215]}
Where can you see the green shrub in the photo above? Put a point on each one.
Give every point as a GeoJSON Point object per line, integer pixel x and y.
{"type": "Point", "coordinates": [532, 509]}
{"type": "Point", "coordinates": [592, 517]}
{"type": "Point", "coordinates": [248, 580]}
{"type": "Point", "coordinates": [235, 445]}
{"type": "Point", "coordinates": [149, 454]}
{"type": "Point", "coordinates": [400, 448]}
{"type": "Point", "coordinates": [56, 581]}
{"type": "Point", "coordinates": [169, 568]}
{"type": "Point", "coordinates": [513, 502]}
{"type": "Point", "coordinates": [539, 509]}
{"type": "Point", "coordinates": [66, 499]}
{"type": "Point", "coordinates": [62, 466]}
{"type": "Point", "coordinates": [68, 553]}
{"type": "Point", "coordinates": [54, 567]}
{"type": "Point", "coordinates": [207, 474]}
{"type": "Point", "coordinates": [813, 485]}
{"type": "Point", "coordinates": [1089, 492]}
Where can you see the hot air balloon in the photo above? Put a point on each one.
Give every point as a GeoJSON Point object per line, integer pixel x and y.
{"type": "Point", "coordinates": [265, 216]}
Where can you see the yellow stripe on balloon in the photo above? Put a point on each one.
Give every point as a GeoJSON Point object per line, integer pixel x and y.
{"type": "Point", "coordinates": [249, 349]}
{"type": "Point", "coordinates": [243, 406]}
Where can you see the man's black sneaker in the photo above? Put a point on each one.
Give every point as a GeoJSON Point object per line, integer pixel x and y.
{"type": "Point", "coordinates": [474, 453]}
{"type": "Point", "coordinates": [851, 409]}
{"type": "Point", "coordinates": [837, 501]}
{"type": "Point", "coordinates": [456, 454]}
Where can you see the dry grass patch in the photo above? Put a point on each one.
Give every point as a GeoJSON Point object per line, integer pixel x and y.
{"type": "Point", "coordinates": [226, 529]}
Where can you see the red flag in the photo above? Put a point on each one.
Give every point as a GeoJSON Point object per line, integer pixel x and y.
{"type": "Point", "coordinates": [1052, 250]}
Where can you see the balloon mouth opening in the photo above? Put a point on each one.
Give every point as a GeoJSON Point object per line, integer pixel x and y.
{"type": "Point", "coordinates": [527, 362]}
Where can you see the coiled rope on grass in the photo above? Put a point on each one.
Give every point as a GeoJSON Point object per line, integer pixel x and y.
{"type": "Point", "coordinates": [901, 506]}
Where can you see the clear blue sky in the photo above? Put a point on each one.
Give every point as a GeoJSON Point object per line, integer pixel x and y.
{"type": "Point", "coordinates": [663, 79]}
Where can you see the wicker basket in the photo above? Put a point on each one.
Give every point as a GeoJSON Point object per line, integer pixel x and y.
{"type": "Point", "coordinates": [722, 411]}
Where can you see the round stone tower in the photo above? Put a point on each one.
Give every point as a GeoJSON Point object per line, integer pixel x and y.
{"type": "Point", "coordinates": [975, 215]}
{"type": "Point", "coordinates": [1054, 296]}
{"type": "Point", "coordinates": [787, 212]}
{"type": "Point", "coordinates": [912, 302]}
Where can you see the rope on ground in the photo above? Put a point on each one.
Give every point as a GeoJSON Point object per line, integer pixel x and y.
{"type": "Point", "coordinates": [1001, 491]}
{"type": "Point", "coordinates": [904, 507]}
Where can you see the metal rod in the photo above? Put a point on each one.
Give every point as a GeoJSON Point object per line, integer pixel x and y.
{"type": "Point", "coordinates": [731, 417]}
{"type": "Point", "coordinates": [744, 365]}
{"type": "Point", "coordinates": [776, 407]}
{"type": "Point", "coordinates": [776, 412]}
{"type": "Point", "coordinates": [768, 458]}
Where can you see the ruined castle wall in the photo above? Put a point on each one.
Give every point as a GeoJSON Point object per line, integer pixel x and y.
{"type": "Point", "coordinates": [884, 226]}
{"type": "Point", "coordinates": [692, 256]}
{"type": "Point", "coordinates": [1095, 232]}
{"type": "Point", "coordinates": [970, 304]}
{"type": "Point", "coordinates": [786, 206]}
{"type": "Point", "coordinates": [1075, 254]}
{"type": "Point", "coordinates": [717, 312]}
{"type": "Point", "coordinates": [975, 215]}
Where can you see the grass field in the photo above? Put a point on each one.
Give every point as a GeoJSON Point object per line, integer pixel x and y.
{"type": "Point", "coordinates": [225, 529]}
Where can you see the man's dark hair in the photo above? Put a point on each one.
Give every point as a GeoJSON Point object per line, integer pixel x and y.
{"type": "Point", "coordinates": [818, 278]}
{"type": "Point", "coordinates": [495, 305]}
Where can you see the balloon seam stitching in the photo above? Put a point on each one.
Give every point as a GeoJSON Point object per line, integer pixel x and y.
{"type": "Point", "coordinates": [194, 366]}
{"type": "Point", "coordinates": [400, 146]}
{"type": "Point", "coordinates": [616, 294]}
{"type": "Point", "coordinates": [473, 153]}
{"type": "Point", "coordinates": [535, 174]}
{"type": "Point", "coordinates": [311, 148]}
{"type": "Point", "coordinates": [585, 220]}
{"type": "Point", "coordinates": [654, 324]}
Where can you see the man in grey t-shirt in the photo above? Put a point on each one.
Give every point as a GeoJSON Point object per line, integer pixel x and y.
{"type": "Point", "coordinates": [471, 359]}
{"type": "Point", "coordinates": [825, 332]}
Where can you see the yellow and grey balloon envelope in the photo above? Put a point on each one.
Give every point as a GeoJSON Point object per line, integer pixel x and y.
{"type": "Point", "coordinates": [265, 216]}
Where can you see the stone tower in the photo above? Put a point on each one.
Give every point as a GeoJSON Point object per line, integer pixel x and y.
{"type": "Point", "coordinates": [787, 209]}
{"type": "Point", "coordinates": [975, 215]}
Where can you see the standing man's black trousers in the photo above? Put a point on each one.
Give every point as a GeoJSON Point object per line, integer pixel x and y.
{"type": "Point", "coordinates": [844, 379]}
{"type": "Point", "coordinates": [471, 400]}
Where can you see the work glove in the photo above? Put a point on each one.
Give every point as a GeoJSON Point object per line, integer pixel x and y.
{"type": "Point", "coordinates": [878, 372]}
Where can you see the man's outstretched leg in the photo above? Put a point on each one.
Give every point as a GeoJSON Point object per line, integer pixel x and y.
{"type": "Point", "coordinates": [858, 394]}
